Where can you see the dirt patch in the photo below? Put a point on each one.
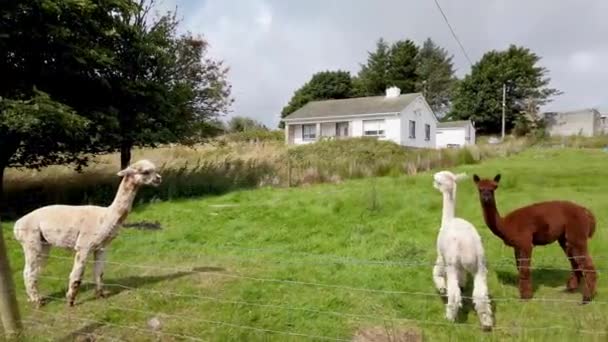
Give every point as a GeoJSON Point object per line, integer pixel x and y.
{"type": "Point", "coordinates": [387, 334]}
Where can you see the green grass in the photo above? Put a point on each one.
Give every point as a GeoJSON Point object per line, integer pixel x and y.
{"type": "Point", "coordinates": [319, 235]}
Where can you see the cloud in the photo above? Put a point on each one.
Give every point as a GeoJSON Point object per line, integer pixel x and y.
{"type": "Point", "coordinates": [274, 46]}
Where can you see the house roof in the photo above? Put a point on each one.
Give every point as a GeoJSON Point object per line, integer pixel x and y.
{"type": "Point", "coordinates": [454, 124]}
{"type": "Point", "coordinates": [354, 106]}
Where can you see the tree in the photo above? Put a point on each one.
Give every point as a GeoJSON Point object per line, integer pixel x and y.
{"type": "Point", "coordinates": [373, 76]}
{"type": "Point", "coordinates": [164, 85]}
{"type": "Point", "coordinates": [322, 86]}
{"type": "Point", "coordinates": [241, 124]}
{"type": "Point", "coordinates": [479, 96]}
{"type": "Point", "coordinates": [387, 66]}
{"type": "Point", "coordinates": [53, 54]}
{"type": "Point", "coordinates": [402, 66]}
{"type": "Point", "coordinates": [435, 76]}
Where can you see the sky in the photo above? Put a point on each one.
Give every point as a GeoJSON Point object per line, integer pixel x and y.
{"type": "Point", "coordinates": [274, 46]}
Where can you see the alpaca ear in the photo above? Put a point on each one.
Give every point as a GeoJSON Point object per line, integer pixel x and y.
{"type": "Point", "coordinates": [497, 178]}
{"type": "Point", "coordinates": [126, 172]}
{"type": "Point", "coordinates": [476, 179]}
{"type": "Point", "coordinates": [460, 176]}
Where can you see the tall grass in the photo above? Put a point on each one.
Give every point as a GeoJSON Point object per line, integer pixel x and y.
{"type": "Point", "coordinates": [224, 164]}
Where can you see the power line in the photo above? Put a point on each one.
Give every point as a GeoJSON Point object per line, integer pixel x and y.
{"type": "Point", "coordinates": [454, 33]}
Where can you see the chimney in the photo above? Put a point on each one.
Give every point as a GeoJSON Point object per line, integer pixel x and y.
{"type": "Point", "coordinates": [392, 92]}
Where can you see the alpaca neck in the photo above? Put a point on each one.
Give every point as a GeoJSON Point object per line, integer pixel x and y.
{"type": "Point", "coordinates": [121, 206]}
{"type": "Point", "coordinates": [449, 207]}
{"type": "Point", "coordinates": [493, 219]}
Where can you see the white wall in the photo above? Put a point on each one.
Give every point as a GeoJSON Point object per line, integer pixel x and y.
{"type": "Point", "coordinates": [421, 114]}
{"type": "Point", "coordinates": [448, 136]}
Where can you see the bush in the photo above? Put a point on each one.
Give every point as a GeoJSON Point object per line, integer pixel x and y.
{"type": "Point", "coordinates": [255, 135]}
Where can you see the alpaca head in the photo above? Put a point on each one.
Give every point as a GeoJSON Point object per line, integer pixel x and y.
{"type": "Point", "coordinates": [445, 181]}
{"type": "Point", "coordinates": [486, 187]}
{"type": "Point", "coordinates": [142, 172]}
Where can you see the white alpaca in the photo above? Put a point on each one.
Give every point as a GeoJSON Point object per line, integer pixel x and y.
{"type": "Point", "coordinates": [459, 250]}
{"type": "Point", "coordinates": [85, 229]}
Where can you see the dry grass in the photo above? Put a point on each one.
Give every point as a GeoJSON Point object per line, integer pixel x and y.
{"type": "Point", "coordinates": [223, 165]}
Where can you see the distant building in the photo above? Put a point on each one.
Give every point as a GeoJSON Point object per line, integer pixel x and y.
{"type": "Point", "coordinates": [585, 122]}
{"type": "Point", "coordinates": [406, 119]}
{"type": "Point", "coordinates": [455, 134]}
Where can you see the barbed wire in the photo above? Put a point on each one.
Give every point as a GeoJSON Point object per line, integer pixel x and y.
{"type": "Point", "coordinates": [333, 313]}
{"type": "Point", "coordinates": [326, 259]}
{"type": "Point", "coordinates": [314, 284]}
{"type": "Point", "coordinates": [341, 314]}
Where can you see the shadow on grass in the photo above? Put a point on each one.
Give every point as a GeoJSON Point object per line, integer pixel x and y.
{"type": "Point", "coordinates": [546, 277]}
{"type": "Point", "coordinates": [114, 287]}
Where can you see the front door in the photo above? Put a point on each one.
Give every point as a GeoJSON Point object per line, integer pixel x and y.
{"type": "Point", "coordinates": [342, 129]}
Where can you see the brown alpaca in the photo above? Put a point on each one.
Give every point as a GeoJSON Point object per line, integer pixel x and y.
{"type": "Point", "coordinates": [540, 224]}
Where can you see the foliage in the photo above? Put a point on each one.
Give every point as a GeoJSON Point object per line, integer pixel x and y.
{"type": "Point", "coordinates": [39, 132]}
{"type": "Point", "coordinates": [256, 135]}
{"type": "Point", "coordinates": [435, 76]}
{"type": "Point", "coordinates": [241, 124]}
{"type": "Point", "coordinates": [479, 96]}
{"type": "Point", "coordinates": [373, 76]}
{"type": "Point", "coordinates": [322, 86]}
{"type": "Point", "coordinates": [389, 65]}
{"type": "Point", "coordinates": [53, 55]}
{"type": "Point", "coordinates": [165, 85]}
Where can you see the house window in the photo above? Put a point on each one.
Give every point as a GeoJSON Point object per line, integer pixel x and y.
{"type": "Point", "coordinates": [309, 132]}
{"type": "Point", "coordinates": [427, 132]}
{"type": "Point", "coordinates": [373, 128]}
{"type": "Point", "coordinates": [412, 129]}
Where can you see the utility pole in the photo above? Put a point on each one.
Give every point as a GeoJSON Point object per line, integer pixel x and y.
{"type": "Point", "coordinates": [504, 95]}
{"type": "Point", "coordinates": [9, 311]}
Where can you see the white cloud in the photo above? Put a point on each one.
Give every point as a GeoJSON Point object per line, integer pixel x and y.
{"type": "Point", "coordinates": [274, 46]}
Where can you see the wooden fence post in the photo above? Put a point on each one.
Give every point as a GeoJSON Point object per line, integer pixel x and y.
{"type": "Point", "coordinates": [9, 310]}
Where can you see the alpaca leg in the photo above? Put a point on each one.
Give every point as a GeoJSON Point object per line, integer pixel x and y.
{"type": "Point", "coordinates": [462, 278]}
{"type": "Point", "coordinates": [576, 274]}
{"type": "Point", "coordinates": [454, 297]}
{"type": "Point", "coordinates": [31, 271]}
{"type": "Point", "coordinates": [439, 275]}
{"type": "Point", "coordinates": [76, 275]}
{"type": "Point", "coordinates": [100, 258]}
{"type": "Point", "coordinates": [585, 263]}
{"type": "Point", "coordinates": [481, 300]}
{"type": "Point", "coordinates": [524, 258]}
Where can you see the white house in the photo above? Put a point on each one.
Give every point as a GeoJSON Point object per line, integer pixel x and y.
{"type": "Point", "coordinates": [405, 119]}
{"type": "Point", "coordinates": [455, 134]}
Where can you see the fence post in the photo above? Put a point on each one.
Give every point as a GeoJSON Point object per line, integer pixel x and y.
{"type": "Point", "coordinates": [9, 311]}
{"type": "Point", "coordinates": [288, 172]}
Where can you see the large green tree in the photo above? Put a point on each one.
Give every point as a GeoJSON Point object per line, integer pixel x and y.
{"type": "Point", "coordinates": [373, 76]}
{"type": "Point", "coordinates": [402, 66]}
{"type": "Point", "coordinates": [388, 65]}
{"type": "Point", "coordinates": [435, 76]}
{"type": "Point", "coordinates": [165, 87]}
{"type": "Point", "coordinates": [479, 95]}
{"type": "Point", "coordinates": [53, 55]}
{"type": "Point", "coordinates": [322, 86]}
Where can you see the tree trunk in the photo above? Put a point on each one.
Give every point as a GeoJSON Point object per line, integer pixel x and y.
{"type": "Point", "coordinates": [125, 153]}
{"type": "Point", "coordinates": [2, 201]}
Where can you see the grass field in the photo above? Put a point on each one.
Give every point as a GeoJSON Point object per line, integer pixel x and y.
{"type": "Point", "coordinates": [327, 261]}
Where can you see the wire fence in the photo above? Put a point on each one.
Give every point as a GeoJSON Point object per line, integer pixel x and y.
{"type": "Point", "coordinates": [43, 315]}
